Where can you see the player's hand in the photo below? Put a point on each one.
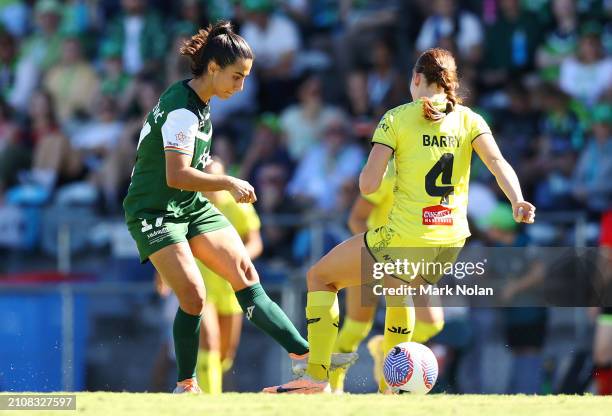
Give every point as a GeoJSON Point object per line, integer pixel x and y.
{"type": "Point", "coordinates": [523, 211]}
{"type": "Point", "coordinates": [242, 191]}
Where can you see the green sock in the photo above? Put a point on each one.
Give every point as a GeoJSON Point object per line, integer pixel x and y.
{"type": "Point", "coordinates": [270, 318]}
{"type": "Point", "coordinates": [186, 332]}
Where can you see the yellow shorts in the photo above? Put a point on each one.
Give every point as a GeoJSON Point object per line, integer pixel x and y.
{"type": "Point", "coordinates": [219, 292]}
{"type": "Point", "coordinates": [387, 246]}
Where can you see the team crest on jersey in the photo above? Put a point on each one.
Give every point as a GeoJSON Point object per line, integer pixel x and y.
{"type": "Point", "coordinates": [437, 215]}
{"type": "Point", "coordinates": [385, 234]}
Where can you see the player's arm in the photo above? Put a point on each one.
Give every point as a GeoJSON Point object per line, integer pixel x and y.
{"type": "Point", "coordinates": [252, 242]}
{"type": "Point", "coordinates": [489, 153]}
{"type": "Point", "coordinates": [373, 172]}
{"type": "Point", "coordinates": [179, 131]}
{"type": "Point", "coordinates": [358, 217]}
{"type": "Point", "coordinates": [180, 175]}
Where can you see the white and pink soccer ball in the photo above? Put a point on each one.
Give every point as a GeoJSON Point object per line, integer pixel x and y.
{"type": "Point", "coordinates": [410, 367]}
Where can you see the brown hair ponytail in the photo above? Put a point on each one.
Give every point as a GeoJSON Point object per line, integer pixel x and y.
{"type": "Point", "coordinates": [438, 66]}
{"type": "Point", "coordinates": [217, 42]}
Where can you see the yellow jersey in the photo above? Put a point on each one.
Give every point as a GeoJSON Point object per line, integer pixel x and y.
{"type": "Point", "coordinates": [242, 216]}
{"type": "Point", "coordinates": [382, 199]}
{"type": "Point", "coordinates": [432, 164]}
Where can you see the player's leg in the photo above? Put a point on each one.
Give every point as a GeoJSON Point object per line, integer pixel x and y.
{"type": "Point", "coordinates": [224, 253]}
{"type": "Point", "coordinates": [230, 326]}
{"type": "Point", "coordinates": [400, 312]}
{"type": "Point", "coordinates": [429, 318]}
{"type": "Point", "coordinates": [339, 268]}
{"type": "Point", "coordinates": [428, 308]}
{"type": "Point", "coordinates": [399, 319]}
{"type": "Point", "coordinates": [230, 321]}
{"type": "Point", "coordinates": [208, 370]}
{"type": "Point", "coordinates": [176, 265]}
{"type": "Point", "coordinates": [355, 328]}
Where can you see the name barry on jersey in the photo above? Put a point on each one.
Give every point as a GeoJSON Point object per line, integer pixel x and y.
{"type": "Point", "coordinates": [440, 141]}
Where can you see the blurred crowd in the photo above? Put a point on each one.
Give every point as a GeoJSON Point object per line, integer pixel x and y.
{"type": "Point", "coordinates": [77, 78]}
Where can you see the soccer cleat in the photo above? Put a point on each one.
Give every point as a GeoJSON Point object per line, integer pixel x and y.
{"type": "Point", "coordinates": [338, 360]}
{"type": "Point", "coordinates": [375, 347]}
{"type": "Point", "coordinates": [189, 385]}
{"type": "Point", "coordinates": [301, 385]}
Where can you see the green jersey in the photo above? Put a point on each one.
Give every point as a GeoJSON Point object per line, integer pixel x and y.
{"type": "Point", "coordinates": [180, 122]}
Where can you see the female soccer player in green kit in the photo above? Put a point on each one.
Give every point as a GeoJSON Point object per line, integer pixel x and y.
{"type": "Point", "coordinates": [173, 223]}
{"type": "Point", "coordinates": [431, 139]}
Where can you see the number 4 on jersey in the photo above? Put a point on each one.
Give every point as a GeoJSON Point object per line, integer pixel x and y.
{"type": "Point", "coordinates": [444, 167]}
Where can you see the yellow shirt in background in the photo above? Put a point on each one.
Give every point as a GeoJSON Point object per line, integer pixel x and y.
{"type": "Point", "coordinates": [382, 199]}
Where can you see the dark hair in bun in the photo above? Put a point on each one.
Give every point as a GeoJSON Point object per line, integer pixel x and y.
{"type": "Point", "coordinates": [217, 42]}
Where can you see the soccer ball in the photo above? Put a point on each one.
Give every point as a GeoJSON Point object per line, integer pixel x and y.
{"type": "Point", "coordinates": [410, 367]}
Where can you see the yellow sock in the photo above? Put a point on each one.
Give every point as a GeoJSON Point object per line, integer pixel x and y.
{"type": "Point", "coordinates": [322, 314]}
{"type": "Point", "coordinates": [399, 326]}
{"type": "Point", "coordinates": [424, 331]}
{"type": "Point", "coordinates": [208, 371]}
{"type": "Point", "coordinates": [350, 336]}
{"type": "Point", "coordinates": [227, 364]}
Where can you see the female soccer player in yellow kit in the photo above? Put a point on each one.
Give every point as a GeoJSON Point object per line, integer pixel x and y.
{"type": "Point", "coordinates": [369, 212]}
{"type": "Point", "coordinates": [431, 140]}
{"type": "Point", "coordinates": [220, 333]}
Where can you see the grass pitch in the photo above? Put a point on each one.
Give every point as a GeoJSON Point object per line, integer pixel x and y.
{"type": "Point", "coordinates": [150, 404]}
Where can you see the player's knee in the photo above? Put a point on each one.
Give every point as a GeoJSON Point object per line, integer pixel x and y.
{"type": "Point", "coordinates": [192, 301]}
{"type": "Point", "coordinates": [316, 279]}
{"type": "Point", "coordinates": [241, 274]}
{"type": "Point", "coordinates": [250, 273]}
{"type": "Point", "coordinates": [312, 275]}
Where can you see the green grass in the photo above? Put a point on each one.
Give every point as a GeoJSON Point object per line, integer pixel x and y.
{"type": "Point", "coordinates": [149, 404]}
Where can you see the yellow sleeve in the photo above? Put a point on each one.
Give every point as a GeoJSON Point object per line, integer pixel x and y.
{"type": "Point", "coordinates": [385, 131]}
{"type": "Point", "coordinates": [478, 127]}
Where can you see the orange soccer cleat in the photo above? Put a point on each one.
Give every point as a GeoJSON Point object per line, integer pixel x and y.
{"type": "Point", "coordinates": [302, 385]}
{"type": "Point", "coordinates": [189, 385]}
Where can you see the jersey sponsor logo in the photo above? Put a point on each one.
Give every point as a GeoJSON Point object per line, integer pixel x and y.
{"type": "Point", "coordinates": [146, 226]}
{"type": "Point", "coordinates": [158, 234]}
{"type": "Point", "coordinates": [383, 126]}
{"type": "Point", "coordinates": [249, 312]}
{"type": "Point", "coordinates": [437, 215]}
{"type": "Point", "coordinates": [181, 137]}
{"type": "Point", "coordinates": [441, 141]}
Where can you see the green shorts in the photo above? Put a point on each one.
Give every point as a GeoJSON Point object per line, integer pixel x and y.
{"type": "Point", "coordinates": [154, 233]}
